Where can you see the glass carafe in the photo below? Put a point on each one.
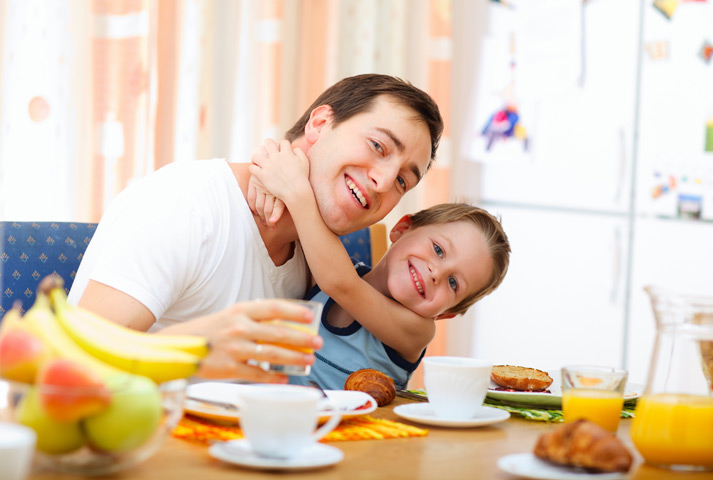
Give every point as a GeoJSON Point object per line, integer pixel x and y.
{"type": "Point", "coordinates": [673, 422]}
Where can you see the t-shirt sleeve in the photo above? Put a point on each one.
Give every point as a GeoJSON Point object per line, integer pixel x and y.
{"type": "Point", "coordinates": [151, 252]}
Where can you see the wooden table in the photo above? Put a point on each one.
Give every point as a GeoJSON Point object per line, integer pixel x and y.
{"type": "Point", "coordinates": [444, 454]}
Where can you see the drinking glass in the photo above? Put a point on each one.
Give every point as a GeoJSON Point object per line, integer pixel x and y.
{"type": "Point", "coordinates": [312, 327]}
{"type": "Point", "coordinates": [593, 393]}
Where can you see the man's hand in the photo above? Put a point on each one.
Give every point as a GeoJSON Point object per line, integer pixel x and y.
{"type": "Point", "coordinates": [243, 334]}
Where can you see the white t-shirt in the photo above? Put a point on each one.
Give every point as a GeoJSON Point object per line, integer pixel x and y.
{"type": "Point", "coordinates": [183, 242]}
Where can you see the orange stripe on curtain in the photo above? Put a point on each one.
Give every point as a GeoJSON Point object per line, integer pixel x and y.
{"type": "Point", "coordinates": [313, 53]}
{"type": "Point", "coordinates": [167, 65]}
{"type": "Point", "coordinates": [120, 81]}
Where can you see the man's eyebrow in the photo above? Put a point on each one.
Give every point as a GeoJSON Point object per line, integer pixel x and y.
{"type": "Point", "coordinates": [400, 146]}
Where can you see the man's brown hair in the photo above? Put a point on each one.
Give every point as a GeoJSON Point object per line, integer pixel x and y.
{"type": "Point", "coordinates": [353, 95]}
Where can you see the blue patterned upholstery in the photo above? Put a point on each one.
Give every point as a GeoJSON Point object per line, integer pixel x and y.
{"type": "Point", "coordinates": [367, 245]}
{"type": "Point", "coordinates": [358, 244]}
{"type": "Point", "coordinates": [29, 251]}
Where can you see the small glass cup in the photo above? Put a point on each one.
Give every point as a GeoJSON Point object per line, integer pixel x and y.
{"type": "Point", "coordinates": [312, 327]}
{"type": "Point", "coordinates": [593, 393]}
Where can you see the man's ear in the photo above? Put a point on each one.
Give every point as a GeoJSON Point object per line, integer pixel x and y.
{"type": "Point", "coordinates": [401, 226]}
{"type": "Point", "coordinates": [318, 119]}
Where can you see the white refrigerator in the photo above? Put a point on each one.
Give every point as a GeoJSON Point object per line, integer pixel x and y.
{"type": "Point", "coordinates": [592, 143]}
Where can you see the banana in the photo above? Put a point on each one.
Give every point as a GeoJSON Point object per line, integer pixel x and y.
{"type": "Point", "coordinates": [12, 320]}
{"type": "Point", "coordinates": [193, 344]}
{"type": "Point", "coordinates": [41, 321]}
{"type": "Point", "coordinates": [158, 364]}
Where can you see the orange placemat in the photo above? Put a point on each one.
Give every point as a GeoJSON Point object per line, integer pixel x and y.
{"type": "Point", "coordinates": [364, 427]}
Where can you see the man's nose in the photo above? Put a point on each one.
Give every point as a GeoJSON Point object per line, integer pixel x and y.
{"type": "Point", "coordinates": [383, 176]}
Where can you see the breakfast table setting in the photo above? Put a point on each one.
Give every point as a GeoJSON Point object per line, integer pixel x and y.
{"type": "Point", "coordinates": [442, 452]}
{"type": "Point", "coordinates": [77, 417]}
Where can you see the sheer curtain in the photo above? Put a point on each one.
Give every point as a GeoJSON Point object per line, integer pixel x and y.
{"type": "Point", "coordinates": [96, 94]}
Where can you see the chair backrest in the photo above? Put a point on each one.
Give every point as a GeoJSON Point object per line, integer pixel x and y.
{"type": "Point", "coordinates": [367, 245]}
{"type": "Point", "coordinates": [29, 251]}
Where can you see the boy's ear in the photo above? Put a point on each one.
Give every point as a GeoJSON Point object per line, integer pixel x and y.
{"type": "Point", "coordinates": [444, 316]}
{"type": "Point", "coordinates": [401, 226]}
{"type": "Point", "coordinates": [318, 119]}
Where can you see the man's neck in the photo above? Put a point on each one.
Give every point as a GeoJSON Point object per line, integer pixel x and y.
{"type": "Point", "coordinates": [279, 240]}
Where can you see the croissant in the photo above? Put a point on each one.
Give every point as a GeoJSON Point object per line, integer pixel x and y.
{"type": "Point", "coordinates": [584, 444]}
{"type": "Point", "coordinates": [377, 384]}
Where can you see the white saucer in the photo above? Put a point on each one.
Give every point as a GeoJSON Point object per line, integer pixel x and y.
{"type": "Point", "coordinates": [422, 412]}
{"type": "Point", "coordinates": [240, 453]}
{"type": "Point", "coordinates": [529, 466]}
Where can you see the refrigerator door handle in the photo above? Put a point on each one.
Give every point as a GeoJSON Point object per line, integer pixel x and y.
{"type": "Point", "coordinates": [616, 267]}
{"type": "Point", "coordinates": [622, 166]}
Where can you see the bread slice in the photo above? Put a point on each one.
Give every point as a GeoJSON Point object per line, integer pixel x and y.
{"type": "Point", "coordinates": [520, 378]}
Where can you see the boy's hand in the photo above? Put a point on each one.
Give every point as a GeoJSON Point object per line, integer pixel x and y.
{"type": "Point", "coordinates": [281, 171]}
{"type": "Point", "coordinates": [264, 204]}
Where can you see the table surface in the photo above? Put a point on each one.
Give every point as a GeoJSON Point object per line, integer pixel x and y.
{"type": "Point", "coordinates": [445, 453]}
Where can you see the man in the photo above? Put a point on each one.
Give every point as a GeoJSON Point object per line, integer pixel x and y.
{"type": "Point", "coordinates": [182, 244]}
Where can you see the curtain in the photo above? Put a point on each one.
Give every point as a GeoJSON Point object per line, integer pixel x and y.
{"type": "Point", "coordinates": [96, 94]}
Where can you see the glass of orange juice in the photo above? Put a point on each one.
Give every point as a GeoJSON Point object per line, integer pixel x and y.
{"type": "Point", "coordinates": [312, 327]}
{"type": "Point", "coordinates": [593, 393]}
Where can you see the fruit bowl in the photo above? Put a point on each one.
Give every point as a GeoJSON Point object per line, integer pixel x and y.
{"type": "Point", "coordinates": [131, 425]}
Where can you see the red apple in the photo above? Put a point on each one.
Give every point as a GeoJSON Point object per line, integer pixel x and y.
{"type": "Point", "coordinates": [70, 391]}
{"type": "Point", "coordinates": [21, 354]}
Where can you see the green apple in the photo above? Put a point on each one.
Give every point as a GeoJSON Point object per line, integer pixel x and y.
{"type": "Point", "coordinates": [131, 418]}
{"type": "Point", "coordinates": [52, 436]}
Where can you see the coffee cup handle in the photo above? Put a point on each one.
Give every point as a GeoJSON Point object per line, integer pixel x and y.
{"type": "Point", "coordinates": [333, 421]}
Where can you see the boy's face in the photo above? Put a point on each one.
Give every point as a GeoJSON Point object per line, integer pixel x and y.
{"type": "Point", "coordinates": [434, 267]}
{"type": "Point", "coordinates": [360, 169]}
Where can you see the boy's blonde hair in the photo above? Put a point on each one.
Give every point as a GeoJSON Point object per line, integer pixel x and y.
{"type": "Point", "coordinates": [492, 230]}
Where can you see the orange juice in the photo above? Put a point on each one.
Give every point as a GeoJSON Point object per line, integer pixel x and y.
{"type": "Point", "coordinates": [674, 430]}
{"type": "Point", "coordinates": [600, 406]}
{"type": "Point", "coordinates": [296, 326]}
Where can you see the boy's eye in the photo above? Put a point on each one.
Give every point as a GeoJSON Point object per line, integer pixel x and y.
{"type": "Point", "coordinates": [402, 182]}
{"type": "Point", "coordinates": [453, 283]}
{"type": "Point", "coordinates": [437, 248]}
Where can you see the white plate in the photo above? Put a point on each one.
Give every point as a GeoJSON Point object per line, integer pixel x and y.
{"type": "Point", "coordinates": [423, 413]}
{"type": "Point", "coordinates": [529, 466]}
{"type": "Point", "coordinates": [239, 452]}
{"type": "Point", "coordinates": [348, 401]}
{"type": "Point", "coordinates": [552, 400]}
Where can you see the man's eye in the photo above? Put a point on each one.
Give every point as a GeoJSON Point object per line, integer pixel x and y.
{"type": "Point", "coordinates": [452, 282]}
{"type": "Point", "coordinates": [377, 145]}
{"type": "Point", "coordinates": [402, 182]}
{"type": "Point", "coordinates": [437, 248]}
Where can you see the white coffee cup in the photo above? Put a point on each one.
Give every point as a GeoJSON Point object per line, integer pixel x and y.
{"type": "Point", "coordinates": [17, 447]}
{"type": "Point", "coordinates": [456, 386]}
{"type": "Point", "coordinates": [279, 421]}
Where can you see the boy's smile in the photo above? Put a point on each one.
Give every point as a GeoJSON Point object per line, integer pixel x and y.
{"type": "Point", "coordinates": [432, 268]}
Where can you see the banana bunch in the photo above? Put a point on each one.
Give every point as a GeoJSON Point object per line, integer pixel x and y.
{"type": "Point", "coordinates": [77, 334]}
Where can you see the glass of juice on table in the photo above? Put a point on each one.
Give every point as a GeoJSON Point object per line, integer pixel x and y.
{"type": "Point", "coordinates": [673, 421]}
{"type": "Point", "coordinates": [593, 393]}
{"type": "Point", "coordinates": [312, 327]}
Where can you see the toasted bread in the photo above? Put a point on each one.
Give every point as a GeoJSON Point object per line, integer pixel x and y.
{"type": "Point", "coordinates": [520, 378]}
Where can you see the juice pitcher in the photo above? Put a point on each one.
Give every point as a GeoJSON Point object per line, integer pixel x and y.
{"type": "Point", "coordinates": [673, 421]}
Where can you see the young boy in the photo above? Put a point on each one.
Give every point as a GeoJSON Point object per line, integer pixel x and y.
{"type": "Point", "coordinates": [442, 260]}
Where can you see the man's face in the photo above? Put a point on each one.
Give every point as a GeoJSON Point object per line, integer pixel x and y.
{"type": "Point", "coordinates": [360, 169]}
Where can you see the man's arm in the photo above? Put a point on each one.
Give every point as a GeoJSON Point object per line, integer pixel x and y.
{"type": "Point", "coordinates": [116, 306]}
